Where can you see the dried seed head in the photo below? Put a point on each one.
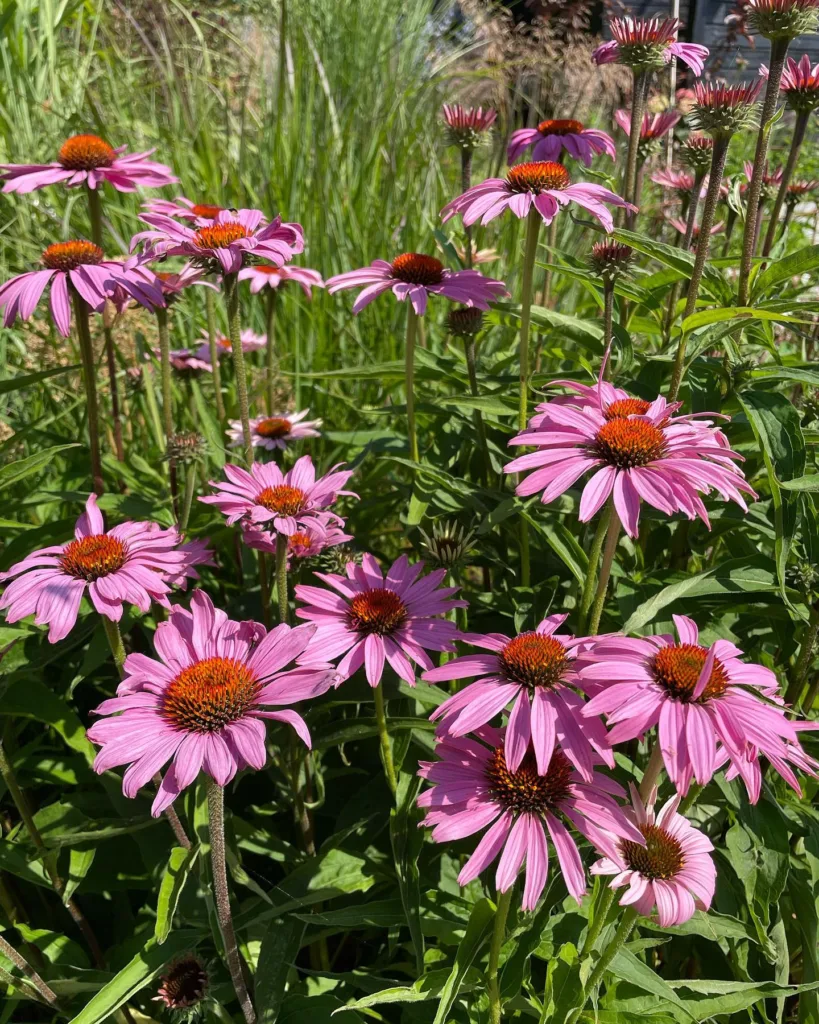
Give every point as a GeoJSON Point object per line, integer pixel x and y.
{"type": "Point", "coordinates": [465, 322]}
{"type": "Point", "coordinates": [187, 448]}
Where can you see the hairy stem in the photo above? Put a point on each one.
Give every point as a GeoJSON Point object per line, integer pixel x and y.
{"type": "Point", "coordinates": [45, 993]}
{"type": "Point", "coordinates": [799, 130]}
{"type": "Point", "coordinates": [231, 285]}
{"type": "Point", "coordinates": [530, 250]}
{"type": "Point", "coordinates": [685, 245]}
{"type": "Point", "coordinates": [82, 313]}
{"type": "Point", "coordinates": [187, 501]}
{"type": "Point", "coordinates": [270, 350]}
{"type": "Point", "coordinates": [167, 395]}
{"type": "Point", "coordinates": [466, 182]}
{"type": "Point", "coordinates": [470, 351]}
{"type": "Point", "coordinates": [588, 593]}
{"type": "Point", "coordinates": [652, 771]}
{"type": "Point", "coordinates": [612, 536]}
{"type": "Point", "coordinates": [638, 103]}
{"type": "Point", "coordinates": [409, 378]}
{"type": "Point", "coordinates": [281, 575]}
{"type": "Point", "coordinates": [504, 901]}
{"type": "Point", "coordinates": [600, 912]}
{"type": "Point", "coordinates": [803, 662]}
{"type": "Point", "coordinates": [210, 315]}
{"type": "Point", "coordinates": [617, 942]}
{"type": "Point", "coordinates": [384, 738]}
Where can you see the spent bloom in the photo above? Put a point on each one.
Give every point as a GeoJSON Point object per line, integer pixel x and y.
{"type": "Point", "coordinates": [203, 701]}
{"type": "Point", "coordinates": [648, 43]}
{"type": "Point", "coordinates": [799, 83]}
{"type": "Point", "coordinates": [473, 788]}
{"type": "Point", "coordinates": [264, 276]}
{"type": "Point", "coordinates": [783, 19]}
{"type": "Point", "coordinates": [674, 870]}
{"type": "Point", "coordinates": [373, 616]}
{"type": "Point", "coordinates": [276, 430]}
{"type": "Point", "coordinates": [414, 276]}
{"type": "Point", "coordinates": [467, 127]}
{"type": "Point", "coordinates": [183, 984]}
{"type": "Point", "coordinates": [697, 151]}
{"type": "Point", "coordinates": [723, 110]}
{"type": "Point", "coordinates": [535, 673]}
{"type": "Point", "coordinates": [250, 341]}
{"type": "Point", "coordinates": [88, 160]}
{"type": "Point", "coordinates": [132, 563]}
{"type": "Point", "coordinates": [709, 706]}
{"type": "Point", "coordinates": [551, 137]}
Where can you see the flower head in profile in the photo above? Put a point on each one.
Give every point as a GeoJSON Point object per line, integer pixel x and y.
{"type": "Point", "coordinates": [771, 180]}
{"type": "Point", "coordinates": [473, 788]}
{"type": "Point", "coordinates": [673, 871]}
{"type": "Point", "coordinates": [551, 137]}
{"type": "Point", "coordinates": [264, 276]}
{"type": "Point", "coordinates": [202, 703]}
{"type": "Point", "coordinates": [414, 276]}
{"type": "Point", "coordinates": [799, 83]}
{"type": "Point", "coordinates": [611, 259]}
{"type": "Point", "coordinates": [316, 535]}
{"type": "Point", "coordinates": [648, 43]}
{"type": "Point", "coordinates": [534, 673]}
{"type": "Point", "coordinates": [171, 284]}
{"type": "Point", "coordinates": [448, 544]}
{"type": "Point", "coordinates": [181, 208]}
{"type": "Point", "coordinates": [680, 226]}
{"type": "Point", "coordinates": [723, 110]}
{"type": "Point", "coordinates": [783, 19]}
{"type": "Point", "coordinates": [275, 431]}
{"type": "Point", "coordinates": [371, 617]}
{"type": "Point", "coordinates": [282, 501]}
{"type": "Point", "coordinates": [467, 127]}
{"type": "Point", "coordinates": [697, 151]}
{"type": "Point", "coordinates": [709, 706]}
{"type": "Point", "coordinates": [250, 341]}
{"type": "Point", "coordinates": [132, 563]}
{"type": "Point", "coordinates": [799, 190]}
{"type": "Point", "coordinates": [681, 182]}
{"type": "Point", "coordinates": [544, 185]}
{"type": "Point", "coordinates": [88, 160]}
{"type": "Point", "coordinates": [652, 129]}
{"type": "Point", "coordinates": [184, 983]}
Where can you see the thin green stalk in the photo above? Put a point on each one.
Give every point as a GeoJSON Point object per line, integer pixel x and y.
{"type": "Point", "coordinates": [466, 182]}
{"type": "Point", "coordinates": [264, 588]}
{"type": "Point", "coordinates": [532, 227]}
{"type": "Point", "coordinates": [799, 130]}
{"type": "Point", "coordinates": [803, 662]}
{"type": "Point", "coordinates": [685, 245]}
{"type": "Point", "coordinates": [270, 350]}
{"type": "Point", "coordinates": [281, 576]}
{"type": "Point", "coordinates": [612, 536]}
{"type": "Point", "coordinates": [652, 771]}
{"type": "Point", "coordinates": [470, 351]}
{"type": "Point", "coordinates": [114, 642]}
{"type": "Point", "coordinates": [167, 396]}
{"type": "Point", "coordinates": [409, 377]}
{"type": "Point", "coordinates": [638, 103]}
{"type": "Point", "coordinates": [82, 314]}
{"type": "Point", "coordinates": [608, 316]}
{"type": "Point", "coordinates": [617, 942]}
{"type": "Point", "coordinates": [504, 901]}
{"type": "Point", "coordinates": [231, 286]}
{"type": "Point", "coordinates": [587, 596]}
{"type": "Point", "coordinates": [187, 501]}
{"type": "Point", "coordinates": [599, 914]}
{"type": "Point", "coordinates": [30, 975]}
{"type": "Point", "coordinates": [210, 315]}
{"type": "Point", "coordinates": [384, 738]}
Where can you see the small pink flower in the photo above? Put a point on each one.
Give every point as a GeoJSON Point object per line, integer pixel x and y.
{"type": "Point", "coordinates": [673, 871]}
{"type": "Point", "coordinates": [702, 701]}
{"type": "Point", "coordinates": [653, 126]}
{"type": "Point", "coordinates": [133, 563]}
{"type": "Point", "coordinates": [262, 276]}
{"type": "Point", "coordinates": [649, 42]}
{"type": "Point", "coordinates": [544, 184]}
{"type": "Point", "coordinates": [275, 431]}
{"type": "Point", "coordinates": [467, 123]}
{"type": "Point", "coordinates": [799, 83]}
{"type": "Point", "coordinates": [182, 360]}
{"type": "Point", "coordinates": [474, 789]}
{"type": "Point", "coordinates": [373, 616]}
{"type": "Point", "coordinates": [286, 501]}
{"type": "Point", "coordinates": [414, 276]}
{"type": "Point", "coordinates": [202, 704]}
{"type": "Point", "coordinates": [534, 672]}
{"type": "Point", "coordinates": [551, 137]}
{"type": "Point", "coordinates": [170, 283]}
{"type": "Point", "coordinates": [682, 227]}
{"type": "Point", "coordinates": [88, 160]}
{"type": "Point", "coordinates": [681, 182]}
{"type": "Point", "coordinates": [200, 214]}
{"type": "Point", "coordinates": [250, 341]}
{"type": "Point", "coordinates": [317, 534]}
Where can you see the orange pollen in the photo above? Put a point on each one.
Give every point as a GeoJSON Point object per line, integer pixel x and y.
{"type": "Point", "coordinates": [380, 611]}
{"type": "Point", "coordinates": [85, 153]}
{"type": "Point", "coordinates": [677, 669]}
{"type": "Point", "coordinates": [224, 343]}
{"type": "Point", "coordinates": [626, 443]}
{"type": "Point", "coordinates": [274, 427]}
{"type": "Point", "coordinates": [205, 210]}
{"type": "Point", "coordinates": [560, 127]}
{"type": "Point", "coordinates": [265, 268]}
{"type": "Point", "coordinates": [538, 176]}
{"type": "Point", "coordinates": [534, 660]}
{"type": "Point", "coordinates": [283, 500]}
{"type": "Point", "coordinates": [209, 695]}
{"type": "Point", "coordinates": [525, 790]}
{"type": "Point", "coordinates": [299, 543]}
{"type": "Point", "coordinates": [70, 255]}
{"type": "Point", "coordinates": [219, 236]}
{"type": "Point", "coordinates": [625, 407]}
{"type": "Point", "coordinates": [89, 558]}
{"type": "Point", "coordinates": [416, 268]}
{"type": "Point", "coordinates": [661, 857]}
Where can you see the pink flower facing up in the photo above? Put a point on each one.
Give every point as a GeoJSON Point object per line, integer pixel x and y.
{"type": "Point", "coordinates": [544, 185]}
{"type": "Point", "coordinates": [639, 451]}
{"type": "Point", "coordinates": [89, 160]}
{"type": "Point", "coordinates": [535, 671]}
{"type": "Point", "coordinates": [251, 342]}
{"type": "Point", "coordinates": [133, 563]}
{"type": "Point", "coordinates": [317, 534]}
{"type": "Point", "coordinates": [649, 43]}
{"type": "Point", "coordinates": [702, 701]}
{"type": "Point", "coordinates": [200, 214]}
{"type": "Point", "coordinates": [275, 431]}
{"type": "Point", "coordinates": [263, 276]}
{"type": "Point", "coordinates": [372, 617]}
{"type": "Point", "coordinates": [551, 137]}
{"type": "Point", "coordinates": [474, 789]}
{"type": "Point", "coordinates": [673, 871]}
{"type": "Point", "coordinates": [414, 276]}
{"type": "Point", "coordinates": [82, 266]}
{"type": "Point", "coordinates": [202, 703]}
{"type": "Point", "coordinates": [653, 127]}
{"type": "Point", "coordinates": [283, 501]}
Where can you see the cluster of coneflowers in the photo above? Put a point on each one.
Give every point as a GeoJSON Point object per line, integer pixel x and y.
{"type": "Point", "coordinates": [523, 749]}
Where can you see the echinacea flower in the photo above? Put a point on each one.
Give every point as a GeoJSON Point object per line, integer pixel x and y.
{"type": "Point", "coordinates": [682, 227]}
{"type": "Point", "coordinates": [373, 616]}
{"type": "Point", "coordinates": [203, 702]}
{"type": "Point", "coordinates": [639, 451]}
{"type": "Point", "coordinates": [182, 360]}
{"type": "Point", "coordinates": [316, 535]}
{"type": "Point", "coordinates": [75, 266]}
{"type": "Point", "coordinates": [275, 431]}
{"type": "Point", "coordinates": [263, 276]}
{"type": "Point", "coordinates": [414, 276]}
{"type": "Point", "coordinates": [681, 182]}
{"type": "Point", "coordinates": [170, 283]}
{"type": "Point", "coordinates": [797, 190]}
{"type": "Point", "coordinates": [533, 672]}
{"type": "Point", "coordinates": [799, 83]}
{"type": "Point", "coordinates": [697, 151]}
{"type": "Point", "coordinates": [283, 501]}
{"type": "Point", "coordinates": [783, 19]}
{"type": "Point", "coordinates": [474, 789]}
{"type": "Point", "coordinates": [771, 180]}
{"type": "Point", "coordinates": [649, 43]}
{"type": "Point", "coordinates": [708, 705]}
{"type": "Point", "coordinates": [250, 342]}
{"type": "Point", "coordinates": [723, 110]}
{"type": "Point", "coordinates": [611, 259]}
{"type": "Point", "coordinates": [183, 983]}
{"type": "Point", "coordinates": [184, 209]}
{"type": "Point", "coordinates": [132, 563]}
{"type": "Point", "coordinates": [674, 870]}
{"type": "Point", "coordinates": [551, 137]}
{"type": "Point", "coordinates": [88, 160]}
{"type": "Point", "coordinates": [652, 129]}
{"type": "Point", "coordinates": [545, 185]}
{"type": "Point", "coordinates": [467, 127]}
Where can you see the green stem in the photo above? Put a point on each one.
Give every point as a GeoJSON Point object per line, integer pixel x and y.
{"type": "Point", "coordinates": [264, 589]}
{"type": "Point", "coordinates": [599, 915]}
{"type": "Point", "coordinates": [384, 738]}
{"type": "Point", "coordinates": [466, 181]}
{"type": "Point", "coordinates": [231, 286]}
{"type": "Point", "coordinates": [803, 662]}
{"type": "Point", "coordinates": [167, 393]}
{"type": "Point", "coordinates": [638, 102]}
{"type": "Point", "coordinates": [591, 575]}
{"type": "Point", "coordinates": [617, 942]}
{"type": "Point", "coordinates": [29, 973]}
{"type": "Point", "coordinates": [532, 228]}
{"type": "Point", "coordinates": [470, 351]}
{"type": "Point", "coordinates": [504, 901]}
{"type": "Point", "coordinates": [82, 313]}
{"type": "Point", "coordinates": [652, 771]}
{"type": "Point", "coordinates": [612, 536]}
{"type": "Point", "coordinates": [685, 245]}
{"type": "Point", "coordinates": [799, 130]}
{"type": "Point", "coordinates": [608, 317]}
{"type": "Point", "coordinates": [210, 314]}
{"type": "Point", "coordinates": [270, 350]}
{"type": "Point", "coordinates": [409, 378]}
{"type": "Point", "coordinates": [281, 575]}
{"type": "Point", "coordinates": [187, 501]}
{"type": "Point", "coordinates": [115, 642]}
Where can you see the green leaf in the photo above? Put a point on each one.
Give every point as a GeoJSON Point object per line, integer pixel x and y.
{"type": "Point", "coordinates": [18, 383]}
{"type": "Point", "coordinates": [710, 925]}
{"type": "Point", "coordinates": [801, 483]}
{"type": "Point", "coordinates": [563, 542]}
{"type": "Point", "coordinates": [378, 914]}
{"type": "Point", "coordinates": [628, 968]}
{"type": "Point", "coordinates": [406, 840]}
{"type": "Point", "coordinates": [363, 728]}
{"type": "Point", "coordinates": [280, 946]}
{"type": "Point", "coordinates": [211, 428]}
{"type": "Point", "coordinates": [476, 936]}
{"type": "Point", "coordinates": [588, 333]}
{"type": "Point", "coordinates": [176, 873]}
{"type": "Point", "coordinates": [715, 316]}
{"type": "Point", "coordinates": [80, 859]}
{"type": "Point", "coordinates": [30, 698]}
{"type": "Point", "coordinates": [17, 471]}
{"type": "Point", "coordinates": [793, 265]}
{"type": "Point", "coordinates": [673, 257]}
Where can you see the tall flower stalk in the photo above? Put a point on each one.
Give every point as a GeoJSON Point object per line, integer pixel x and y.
{"type": "Point", "coordinates": [216, 371]}
{"type": "Point", "coordinates": [503, 902]}
{"type": "Point", "coordinates": [529, 253]}
{"type": "Point", "coordinates": [167, 393]}
{"type": "Point", "coordinates": [234, 315]}
{"type": "Point", "coordinates": [82, 315]}
{"type": "Point", "coordinates": [270, 350]}
{"type": "Point", "coordinates": [409, 382]}
{"type": "Point", "coordinates": [799, 131]}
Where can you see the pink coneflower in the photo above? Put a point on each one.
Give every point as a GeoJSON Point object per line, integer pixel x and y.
{"type": "Point", "coordinates": [275, 431]}
{"type": "Point", "coordinates": [783, 19]}
{"type": "Point", "coordinates": [181, 208]}
{"type": "Point", "coordinates": [202, 703]}
{"type": "Point", "coordinates": [170, 283]}
{"type": "Point", "coordinates": [797, 190]}
{"type": "Point", "coordinates": [673, 871]}
{"type": "Point", "coordinates": [681, 182]}
{"type": "Point", "coordinates": [544, 185]}
{"type": "Point", "coordinates": [227, 243]}
{"type": "Point", "coordinates": [182, 360]}
{"type": "Point", "coordinates": [724, 110]}
{"type": "Point", "coordinates": [644, 43]}
{"type": "Point", "coordinates": [262, 276]}
{"type": "Point", "coordinates": [534, 671]}
{"type": "Point", "coordinates": [285, 501]}
{"type": "Point", "coordinates": [771, 180]}
{"type": "Point", "coordinates": [88, 160]}
{"type": "Point", "coordinates": [83, 266]}
{"type": "Point", "coordinates": [317, 534]}
{"type": "Point", "coordinates": [183, 984]}
{"type": "Point", "coordinates": [373, 616]}
{"type": "Point", "coordinates": [702, 701]}
{"type": "Point", "coordinates": [133, 563]}
{"type": "Point", "coordinates": [473, 788]}
{"type": "Point", "coordinates": [639, 451]}
{"type": "Point", "coordinates": [653, 126]}
{"type": "Point", "coordinates": [414, 276]}
{"type": "Point", "coordinates": [250, 341]}
{"type": "Point", "coordinates": [551, 137]}
{"type": "Point", "coordinates": [682, 227]}
{"type": "Point", "coordinates": [467, 127]}
{"type": "Point", "coordinates": [799, 83]}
